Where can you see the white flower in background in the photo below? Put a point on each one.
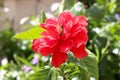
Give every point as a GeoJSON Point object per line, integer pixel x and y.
{"type": "Point", "coordinates": [25, 42]}
{"type": "Point", "coordinates": [31, 72]}
{"type": "Point", "coordinates": [45, 59]}
{"type": "Point", "coordinates": [91, 78]}
{"type": "Point", "coordinates": [2, 74]}
{"type": "Point", "coordinates": [75, 78]}
{"type": "Point", "coordinates": [60, 78]}
{"type": "Point", "coordinates": [49, 15]}
{"type": "Point", "coordinates": [4, 61]}
{"type": "Point", "coordinates": [54, 6]}
{"type": "Point", "coordinates": [97, 30]}
{"type": "Point", "coordinates": [36, 21]}
{"type": "Point", "coordinates": [23, 47]}
{"type": "Point", "coordinates": [23, 20]}
{"type": "Point", "coordinates": [14, 74]}
{"type": "Point", "coordinates": [18, 78]}
{"type": "Point", "coordinates": [115, 51]}
{"type": "Point", "coordinates": [6, 10]}
{"type": "Point", "coordinates": [46, 67]}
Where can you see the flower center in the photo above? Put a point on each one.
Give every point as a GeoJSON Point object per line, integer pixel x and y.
{"type": "Point", "coordinates": [60, 29]}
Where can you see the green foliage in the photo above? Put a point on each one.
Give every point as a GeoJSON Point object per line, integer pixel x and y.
{"type": "Point", "coordinates": [102, 2]}
{"type": "Point", "coordinates": [112, 6]}
{"type": "Point", "coordinates": [30, 34]}
{"type": "Point", "coordinates": [102, 62]}
{"type": "Point", "coordinates": [84, 75]}
{"type": "Point", "coordinates": [78, 9]}
{"type": "Point", "coordinates": [1, 3]}
{"type": "Point", "coordinates": [89, 64]}
{"type": "Point", "coordinates": [80, 69]}
{"type": "Point", "coordinates": [24, 61]}
{"type": "Point", "coordinates": [65, 4]}
{"type": "Point", "coordinates": [10, 47]}
{"type": "Point", "coordinates": [96, 12]}
{"type": "Point", "coordinates": [45, 74]}
{"type": "Point", "coordinates": [43, 17]}
{"type": "Point", "coordinates": [34, 32]}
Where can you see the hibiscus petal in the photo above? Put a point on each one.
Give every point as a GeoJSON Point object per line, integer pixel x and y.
{"type": "Point", "coordinates": [51, 42]}
{"type": "Point", "coordinates": [68, 26]}
{"type": "Point", "coordinates": [35, 45]}
{"type": "Point", "coordinates": [65, 36]}
{"type": "Point", "coordinates": [64, 18]}
{"type": "Point", "coordinates": [43, 46]}
{"type": "Point", "coordinates": [44, 50]}
{"type": "Point", "coordinates": [80, 38]}
{"type": "Point", "coordinates": [65, 46]}
{"type": "Point", "coordinates": [51, 21]}
{"type": "Point", "coordinates": [80, 52]}
{"type": "Point", "coordinates": [58, 58]}
{"type": "Point", "coordinates": [48, 22]}
{"type": "Point", "coordinates": [52, 31]}
{"type": "Point", "coordinates": [42, 25]}
{"type": "Point", "coordinates": [75, 30]}
{"type": "Point", "coordinates": [81, 20]}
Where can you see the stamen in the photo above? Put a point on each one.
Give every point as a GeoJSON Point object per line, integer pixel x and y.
{"type": "Point", "coordinates": [60, 29]}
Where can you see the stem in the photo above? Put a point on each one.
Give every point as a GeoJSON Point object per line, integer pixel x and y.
{"type": "Point", "coordinates": [62, 73]}
{"type": "Point", "coordinates": [69, 72]}
{"type": "Point", "coordinates": [64, 78]}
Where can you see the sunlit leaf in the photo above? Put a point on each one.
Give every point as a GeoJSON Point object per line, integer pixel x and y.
{"type": "Point", "coordinates": [33, 33]}
{"type": "Point", "coordinates": [102, 2]}
{"type": "Point", "coordinates": [112, 6]}
{"type": "Point", "coordinates": [4, 66]}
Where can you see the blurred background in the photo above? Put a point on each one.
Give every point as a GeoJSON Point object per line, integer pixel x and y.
{"type": "Point", "coordinates": [16, 56]}
{"type": "Point", "coordinates": [14, 10]}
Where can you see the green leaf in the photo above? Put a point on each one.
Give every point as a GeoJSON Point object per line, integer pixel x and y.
{"type": "Point", "coordinates": [96, 12]}
{"type": "Point", "coordinates": [78, 9]}
{"type": "Point", "coordinates": [43, 17]}
{"type": "Point", "coordinates": [40, 75]}
{"type": "Point", "coordinates": [84, 75]}
{"type": "Point", "coordinates": [66, 5]}
{"type": "Point", "coordinates": [32, 33]}
{"type": "Point", "coordinates": [114, 30]}
{"type": "Point", "coordinates": [111, 31]}
{"type": "Point", "coordinates": [112, 6]}
{"type": "Point", "coordinates": [102, 2]}
{"type": "Point", "coordinates": [45, 74]}
{"type": "Point", "coordinates": [4, 67]}
{"type": "Point", "coordinates": [90, 65]}
{"type": "Point", "coordinates": [25, 62]}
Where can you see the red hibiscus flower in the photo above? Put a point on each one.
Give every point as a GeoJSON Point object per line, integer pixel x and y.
{"type": "Point", "coordinates": [63, 34]}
